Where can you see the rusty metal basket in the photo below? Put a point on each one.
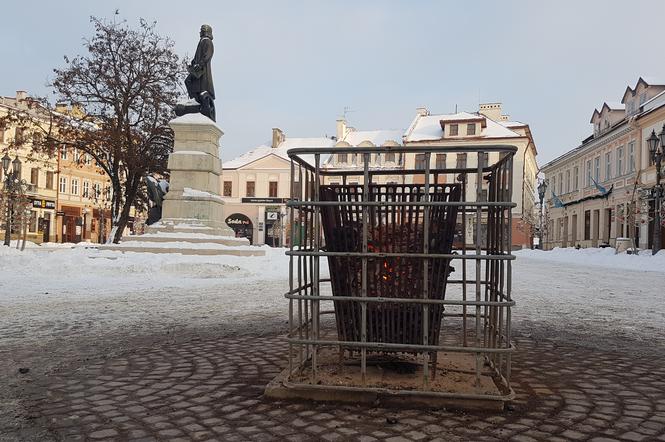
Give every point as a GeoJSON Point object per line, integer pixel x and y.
{"type": "Point", "coordinates": [393, 228]}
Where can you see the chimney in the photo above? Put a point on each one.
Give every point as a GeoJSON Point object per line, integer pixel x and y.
{"type": "Point", "coordinates": [21, 95]}
{"type": "Point", "coordinates": [422, 111]}
{"type": "Point", "coordinates": [341, 129]}
{"type": "Point", "coordinates": [491, 110]}
{"type": "Point", "coordinates": [277, 137]}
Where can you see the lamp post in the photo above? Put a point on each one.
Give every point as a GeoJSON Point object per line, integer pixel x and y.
{"type": "Point", "coordinates": [85, 221]}
{"type": "Point", "coordinates": [542, 187]}
{"type": "Point", "coordinates": [13, 185]}
{"type": "Point", "coordinates": [657, 151]}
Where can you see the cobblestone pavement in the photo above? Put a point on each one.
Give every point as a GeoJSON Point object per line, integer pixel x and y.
{"type": "Point", "coordinates": [211, 389]}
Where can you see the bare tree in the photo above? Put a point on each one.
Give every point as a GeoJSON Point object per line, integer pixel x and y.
{"type": "Point", "coordinates": [122, 91]}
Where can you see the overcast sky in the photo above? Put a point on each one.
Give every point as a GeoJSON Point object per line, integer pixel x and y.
{"type": "Point", "coordinates": [297, 64]}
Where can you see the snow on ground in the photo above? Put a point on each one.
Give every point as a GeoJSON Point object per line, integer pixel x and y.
{"type": "Point", "coordinates": [584, 295]}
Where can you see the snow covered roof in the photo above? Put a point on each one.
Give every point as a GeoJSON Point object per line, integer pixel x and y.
{"type": "Point", "coordinates": [280, 151]}
{"type": "Point", "coordinates": [428, 127]}
{"type": "Point", "coordinates": [653, 103]}
{"type": "Point", "coordinates": [510, 124]}
{"type": "Point", "coordinates": [376, 137]}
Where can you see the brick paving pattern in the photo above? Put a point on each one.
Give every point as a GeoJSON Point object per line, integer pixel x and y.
{"type": "Point", "coordinates": [212, 390]}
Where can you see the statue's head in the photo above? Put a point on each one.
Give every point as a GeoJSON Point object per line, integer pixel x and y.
{"type": "Point", "coordinates": [206, 31]}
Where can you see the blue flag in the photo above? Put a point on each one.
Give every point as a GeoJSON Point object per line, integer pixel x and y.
{"type": "Point", "coordinates": [556, 201]}
{"type": "Point", "coordinates": [600, 188]}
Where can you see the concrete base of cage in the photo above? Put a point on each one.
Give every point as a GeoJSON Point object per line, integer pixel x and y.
{"type": "Point", "coordinates": [394, 382]}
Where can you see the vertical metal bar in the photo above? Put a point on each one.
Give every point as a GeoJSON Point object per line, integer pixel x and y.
{"type": "Point", "coordinates": [509, 276]}
{"type": "Point", "coordinates": [425, 322]}
{"type": "Point", "coordinates": [363, 305]}
{"type": "Point", "coordinates": [293, 230]}
{"type": "Point", "coordinates": [464, 274]}
{"type": "Point", "coordinates": [301, 259]}
{"type": "Point", "coordinates": [479, 184]}
{"type": "Point", "coordinates": [316, 234]}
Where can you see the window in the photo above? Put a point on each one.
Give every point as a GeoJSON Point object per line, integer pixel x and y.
{"type": "Point", "coordinates": [341, 158]}
{"type": "Point", "coordinates": [86, 189]}
{"type": "Point", "coordinates": [553, 184]}
{"type": "Point", "coordinates": [420, 161]}
{"type": "Point", "coordinates": [567, 180]}
{"type": "Point", "coordinates": [461, 161]}
{"type": "Point", "coordinates": [32, 225]}
{"type": "Point", "coordinates": [49, 180]}
{"type": "Point", "coordinates": [471, 129]}
{"type": "Point", "coordinates": [228, 188]}
{"type": "Point", "coordinates": [596, 168]}
{"type": "Point", "coordinates": [588, 173]}
{"type": "Point", "coordinates": [440, 160]}
{"type": "Point", "coordinates": [2, 135]}
{"type": "Point", "coordinates": [75, 186]}
{"type": "Point", "coordinates": [34, 176]}
{"type": "Point", "coordinates": [272, 189]}
{"type": "Point", "coordinates": [576, 178]}
{"type": "Point", "coordinates": [560, 183]}
{"type": "Point", "coordinates": [483, 157]}
{"type": "Point", "coordinates": [620, 161]}
{"type": "Point", "coordinates": [18, 135]}
{"type": "Point", "coordinates": [454, 130]}
{"type": "Point", "coordinates": [63, 152]}
{"type": "Point", "coordinates": [249, 190]}
{"type": "Point", "coordinates": [88, 159]}
{"type": "Point", "coordinates": [608, 166]}
{"type": "Point", "coordinates": [587, 224]}
{"type": "Point", "coordinates": [97, 190]}
{"type": "Point", "coordinates": [63, 184]}
{"type": "Point", "coordinates": [390, 157]}
{"type": "Point", "coordinates": [631, 157]}
{"type": "Point", "coordinates": [76, 155]}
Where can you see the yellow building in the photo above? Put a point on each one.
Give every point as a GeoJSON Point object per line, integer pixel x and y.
{"type": "Point", "coordinates": [40, 172]}
{"type": "Point", "coordinates": [67, 191]}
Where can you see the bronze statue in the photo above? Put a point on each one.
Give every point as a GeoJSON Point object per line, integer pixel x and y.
{"type": "Point", "coordinates": [199, 81]}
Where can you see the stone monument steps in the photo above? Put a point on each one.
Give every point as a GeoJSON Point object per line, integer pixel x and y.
{"type": "Point", "coordinates": [184, 248]}
{"type": "Point", "coordinates": [190, 237]}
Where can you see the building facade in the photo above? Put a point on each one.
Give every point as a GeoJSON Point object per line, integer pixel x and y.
{"type": "Point", "coordinates": [597, 191]}
{"type": "Point", "coordinates": [69, 195]}
{"type": "Point", "coordinates": [256, 187]}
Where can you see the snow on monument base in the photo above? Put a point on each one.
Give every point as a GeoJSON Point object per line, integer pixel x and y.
{"type": "Point", "coordinates": [193, 210]}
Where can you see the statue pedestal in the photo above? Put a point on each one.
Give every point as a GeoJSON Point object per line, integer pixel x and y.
{"type": "Point", "coordinates": [192, 212]}
{"type": "Point", "coordinates": [194, 196]}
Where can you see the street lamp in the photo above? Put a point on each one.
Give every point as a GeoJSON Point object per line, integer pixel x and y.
{"type": "Point", "coordinates": [13, 185]}
{"type": "Point", "coordinates": [542, 187]}
{"type": "Point", "coordinates": [657, 149]}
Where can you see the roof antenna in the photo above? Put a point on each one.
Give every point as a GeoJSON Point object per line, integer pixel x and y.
{"type": "Point", "coordinates": [455, 107]}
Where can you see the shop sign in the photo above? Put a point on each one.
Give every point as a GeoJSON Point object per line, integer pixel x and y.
{"type": "Point", "coordinates": [238, 219]}
{"type": "Point", "coordinates": [59, 213]}
{"type": "Point", "coordinates": [43, 204]}
{"type": "Point", "coordinates": [264, 200]}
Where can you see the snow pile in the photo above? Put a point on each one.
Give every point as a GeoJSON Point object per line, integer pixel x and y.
{"type": "Point", "coordinates": [195, 193]}
{"type": "Point", "coordinates": [83, 273]}
{"type": "Point", "coordinates": [602, 257]}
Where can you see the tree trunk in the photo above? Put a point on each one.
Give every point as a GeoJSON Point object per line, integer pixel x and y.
{"type": "Point", "coordinates": [131, 189]}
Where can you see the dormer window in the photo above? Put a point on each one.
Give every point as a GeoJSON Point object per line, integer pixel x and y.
{"type": "Point", "coordinates": [454, 130]}
{"type": "Point", "coordinates": [471, 129]}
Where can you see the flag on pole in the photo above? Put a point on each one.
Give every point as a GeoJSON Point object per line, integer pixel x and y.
{"type": "Point", "coordinates": [600, 188]}
{"type": "Point", "coordinates": [556, 201]}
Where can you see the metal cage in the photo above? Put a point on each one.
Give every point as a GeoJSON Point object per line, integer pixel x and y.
{"type": "Point", "coordinates": [420, 271]}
